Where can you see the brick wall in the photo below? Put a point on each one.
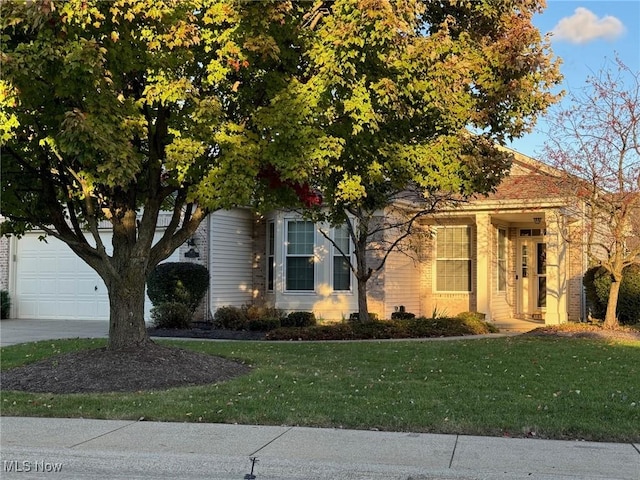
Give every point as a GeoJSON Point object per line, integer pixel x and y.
{"type": "Point", "coordinates": [575, 273]}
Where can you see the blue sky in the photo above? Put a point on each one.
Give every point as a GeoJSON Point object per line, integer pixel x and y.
{"type": "Point", "coordinates": [586, 36]}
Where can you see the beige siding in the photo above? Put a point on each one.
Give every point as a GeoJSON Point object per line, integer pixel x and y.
{"type": "Point", "coordinates": [402, 284]}
{"type": "Point", "coordinates": [230, 265]}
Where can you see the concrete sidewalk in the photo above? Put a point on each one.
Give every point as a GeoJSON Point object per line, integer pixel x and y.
{"type": "Point", "coordinates": [111, 449]}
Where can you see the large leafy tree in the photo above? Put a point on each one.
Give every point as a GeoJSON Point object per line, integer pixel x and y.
{"type": "Point", "coordinates": [596, 141]}
{"type": "Point", "coordinates": [116, 111]}
{"type": "Point", "coordinates": [411, 96]}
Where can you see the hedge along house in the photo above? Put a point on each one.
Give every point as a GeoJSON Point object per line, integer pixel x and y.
{"type": "Point", "coordinates": [505, 255]}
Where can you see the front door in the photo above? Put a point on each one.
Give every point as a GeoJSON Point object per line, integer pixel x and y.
{"type": "Point", "coordinates": [531, 276]}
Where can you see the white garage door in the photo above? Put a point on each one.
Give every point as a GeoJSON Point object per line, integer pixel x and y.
{"type": "Point", "coordinates": [54, 283]}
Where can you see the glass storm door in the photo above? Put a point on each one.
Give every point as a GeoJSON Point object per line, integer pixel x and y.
{"type": "Point", "coordinates": [541, 276]}
{"type": "Point", "coordinates": [532, 276]}
{"type": "Point", "coordinates": [524, 281]}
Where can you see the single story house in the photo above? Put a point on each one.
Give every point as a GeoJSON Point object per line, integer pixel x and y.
{"type": "Point", "coordinates": [506, 255]}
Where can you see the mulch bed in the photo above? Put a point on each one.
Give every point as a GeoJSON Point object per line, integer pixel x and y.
{"type": "Point", "coordinates": [154, 367]}
{"type": "Point", "coordinates": [586, 331]}
{"type": "Point", "coordinates": [206, 331]}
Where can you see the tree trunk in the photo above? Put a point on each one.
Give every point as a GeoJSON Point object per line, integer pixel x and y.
{"type": "Point", "coordinates": [611, 319]}
{"type": "Point", "coordinates": [127, 329]}
{"type": "Point", "coordinates": [362, 274]}
{"type": "Point", "coordinates": [363, 307]}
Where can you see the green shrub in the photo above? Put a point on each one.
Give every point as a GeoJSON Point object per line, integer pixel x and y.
{"type": "Point", "coordinates": [472, 316]}
{"type": "Point", "coordinates": [398, 329]}
{"type": "Point", "coordinates": [5, 304]}
{"type": "Point", "coordinates": [355, 317]}
{"type": "Point", "coordinates": [299, 319]}
{"type": "Point", "coordinates": [629, 299]}
{"type": "Point", "coordinates": [476, 323]}
{"type": "Point", "coordinates": [597, 282]}
{"type": "Point", "coordinates": [257, 312]}
{"type": "Point", "coordinates": [379, 329]}
{"type": "Point", "coordinates": [265, 324]}
{"type": "Point", "coordinates": [181, 282]}
{"type": "Point", "coordinates": [339, 331]}
{"type": "Point", "coordinates": [171, 315]}
{"type": "Point", "coordinates": [230, 318]}
{"type": "Point", "coordinates": [402, 315]}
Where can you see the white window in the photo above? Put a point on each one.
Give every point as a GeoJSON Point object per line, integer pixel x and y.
{"type": "Point", "coordinates": [453, 259]}
{"type": "Point", "coordinates": [341, 268]}
{"type": "Point", "coordinates": [271, 257]}
{"type": "Point", "coordinates": [300, 270]}
{"type": "Point", "coordinates": [502, 259]}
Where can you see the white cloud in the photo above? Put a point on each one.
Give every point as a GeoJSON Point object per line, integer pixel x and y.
{"type": "Point", "coordinates": [584, 26]}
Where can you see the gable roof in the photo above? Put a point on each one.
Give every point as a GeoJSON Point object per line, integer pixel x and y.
{"type": "Point", "coordinates": [528, 179]}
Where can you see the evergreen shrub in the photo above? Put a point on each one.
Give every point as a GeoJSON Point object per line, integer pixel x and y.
{"type": "Point", "coordinates": [299, 319]}
{"type": "Point", "coordinates": [597, 283]}
{"type": "Point", "coordinates": [171, 315]}
{"type": "Point", "coordinates": [230, 318]}
{"type": "Point", "coordinates": [265, 324]}
{"type": "Point", "coordinates": [5, 304]}
{"type": "Point", "coordinates": [180, 282]}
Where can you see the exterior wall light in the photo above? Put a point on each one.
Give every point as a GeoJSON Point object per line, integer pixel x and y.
{"type": "Point", "coordinates": [193, 251]}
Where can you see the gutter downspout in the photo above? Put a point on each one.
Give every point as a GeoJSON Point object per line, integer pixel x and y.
{"type": "Point", "coordinates": [585, 267]}
{"type": "Point", "coordinates": [207, 302]}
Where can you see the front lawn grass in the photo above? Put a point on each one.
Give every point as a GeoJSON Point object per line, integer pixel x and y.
{"type": "Point", "coordinates": [547, 387]}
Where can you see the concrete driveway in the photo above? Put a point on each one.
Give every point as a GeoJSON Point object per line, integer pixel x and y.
{"type": "Point", "coordinates": [13, 331]}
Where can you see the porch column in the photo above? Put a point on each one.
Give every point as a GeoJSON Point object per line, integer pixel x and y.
{"type": "Point", "coordinates": [483, 264]}
{"type": "Point", "coordinates": [557, 251]}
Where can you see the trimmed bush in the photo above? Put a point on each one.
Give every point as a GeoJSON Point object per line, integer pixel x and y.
{"type": "Point", "coordinates": [263, 324]}
{"type": "Point", "coordinates": [472, 316]}
{"type": "Point", "coordinates": [597, 282]}
{"type": "Point", "coordinates": [5, 304]}
{"type": "Point", "coordinates": [230, 318]}
{"type": "Point", "coordinates": [171, 315]}
{"type": "Point", "coordinates": [355, 317]}
{"type": "Point", "coordinates": [180, 282]}
{"type": "Point", "coordinates": [398, 329]}
{"type": "Point", "coordinates": [299, 319]}
{"type": "Point", "coordinates": [402, 315]}
{"type": "Point", "coordinates": [629, 299]}
{"type": "Point", "coordinates": [257, 312]}
{"type": "Point", "coordinates": [475, 322]}
{"type": "Point", "coordinates": [249, 317]}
